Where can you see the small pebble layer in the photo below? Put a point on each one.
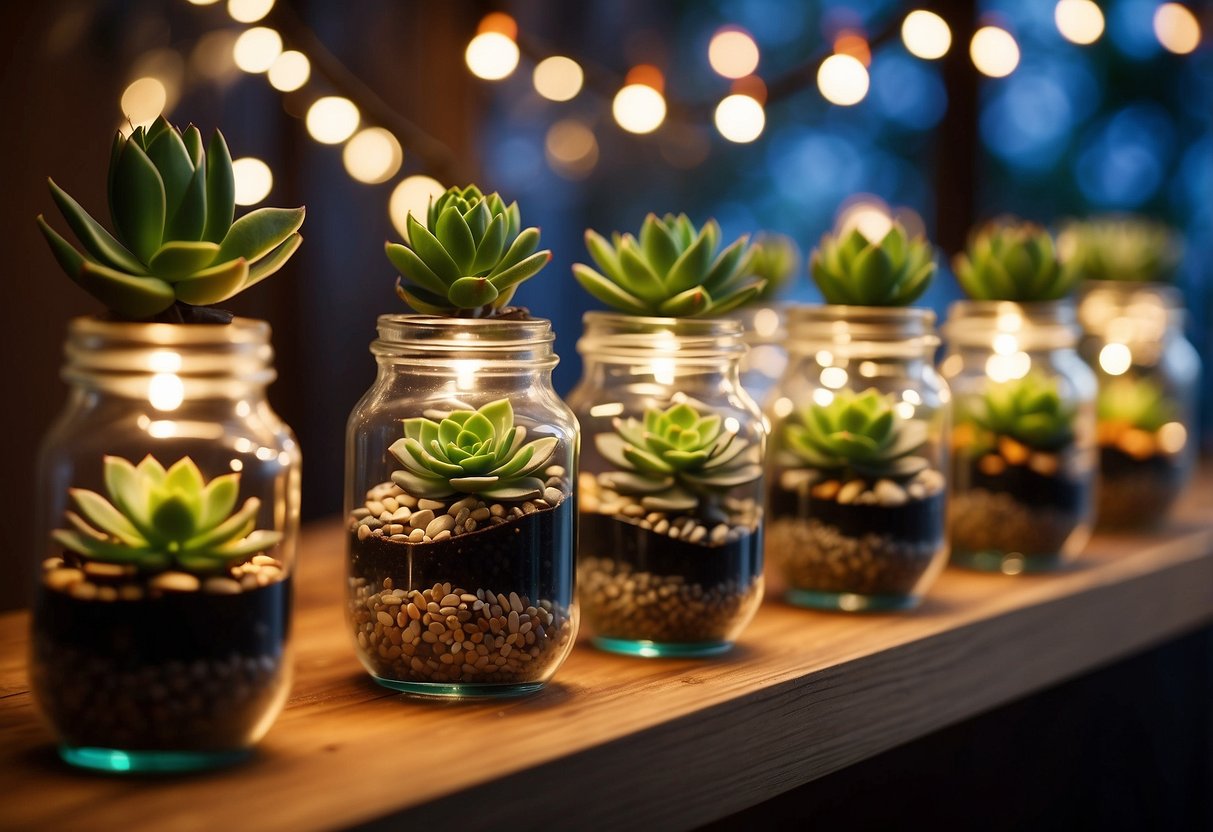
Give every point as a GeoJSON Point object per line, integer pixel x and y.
{"type": "Point", "coordinates": [817, 556]}
{"type": "Point", "coordinates": [449, 634]}
{"type": "Point", "coordinates": [97, 581]}
{"type": "Point", "coordinates": [982, 520]}
{"type": "Point", "coordinates": [1139, 495]}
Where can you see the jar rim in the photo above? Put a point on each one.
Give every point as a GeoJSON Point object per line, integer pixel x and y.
{"type": "Point", "coordinates": [1050, 324]}
{"type": "Point", "coordinates": [896, 331]}
{"type": "Point", "coordinates": [619, 336]}
{"type": "Point", "coordinates": [501, 342]}
{"type": "Point", "coordinates": [239, 330]}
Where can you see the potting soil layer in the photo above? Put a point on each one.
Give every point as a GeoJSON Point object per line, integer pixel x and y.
{"type": "Point", "coordinates": [1137, 493]}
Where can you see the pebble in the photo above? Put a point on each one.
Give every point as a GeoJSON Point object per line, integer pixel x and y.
{"type": "Point", "coordinates": [178, 582]}
{"type": "Point", "coordinates": [97, 569]}
{"type": "Point", "coordinates": [850, 491]}
{"type": "Point", "coordinates": [61, 579]}
{"type": "Point", "coordinates": [430, 505]}
{"type": "Point", "coordinates": [553, 495]}
{"type": "Point", "coordinates": [422, 518]}
{"type": "Point", "coordinates": [221, 586]}
{"type": "Point", "coordinates": [364, 532]}
{"type": "Point", "coordinates": [84, 590]}
{"type": "Point", "coordinates": [441, 523]}
{"type": "Point", "coordinates": [889, 493]}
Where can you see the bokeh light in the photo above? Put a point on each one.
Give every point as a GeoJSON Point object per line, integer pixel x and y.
{"type": "Point", "coordinates": [253, 178]}
{"type": "Point", "coordinates": [492, 56]}
{"type": "Point", "coordinates": [926, 35]}
{"type": "Point", "coordinates": [256, 49]}
{"type": "Point", "coordinates": [571, 148]}
{"type": "Point", "coordinates": [211, 57]}
{"type": "Point", "coordinates": [372, 155]}
{"type": "Point", "coordinates": [412, 195]}
{"type": "Point", "coordinates": [639, 108]}
{"type": "Point", "coordinates": [558, 78]}
{"type": "Point", "coordinates": [733, 53]}
{"type": "Point", "coordinates": [994, 51]}
{"type": "Point", "coordinates": [143, 100]}
{"type": "Point", "coordinates": [843, 80]}
{"type": "Point", "coordinates": [869, 214]}
{"type": "Point", "coordinates": [289, 71]}
{"type": "Point", "coordinates": [740, 118]}
{"type": "Point", "coordinates": [332, 119]}
{"type": "Point", "coordinates": [1079, 21]}
{"type": "Point", "coordinates": [249, 11]}
{"type": "Point", "coordinates": [1177, 28]}
{"type": "Point", "coordinates": [908, 91]}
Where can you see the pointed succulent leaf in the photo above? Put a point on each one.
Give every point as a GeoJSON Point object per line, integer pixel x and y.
{"type": "Point", "coordinates": [171, 158]}
{"type": "Point", "coordinates": [66, 256]}
{"type": "Point", "coordinates": [96, 240]}
{"type": "Point", "coordinates": [491, 247]}
{"type": "Point", "coordinates": [660, 249]}
{"type": "Point", "coordinates": [272, 262]}
{"type": "Point", "coordinates": [220, 190]}
{"type": "Point", "coordinates": [135, 297]}
{"type": "Point", "coordinates": [215, 284]}
{"type": "Point", "coordinates": [456, 238]}
{"type": "Point", "coordinates": [177, 260]}
{"type": "Point", "coordinates": [608, 291]}
{"type": "Point", "coordinates": [139, 202]}
{"type": "Point", "coordinates": [259, 232]}
{"type": "Point", "coordinates": [107, 518]}
{"type": "Point", "coordinates": [471, 292]}
{"type": "Point", "coordinates": [521, 271]}
{"type": "Point", "coordinates": [860, 433]}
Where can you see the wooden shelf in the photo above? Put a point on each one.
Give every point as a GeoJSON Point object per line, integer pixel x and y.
{"type": "Point", "coordinates": [615, 741]}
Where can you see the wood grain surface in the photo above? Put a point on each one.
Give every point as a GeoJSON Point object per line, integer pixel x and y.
{"type": "Point", "coordinates": [616, 741]}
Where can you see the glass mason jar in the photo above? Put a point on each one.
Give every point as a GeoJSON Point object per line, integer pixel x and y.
{"type": "Point", "coordinates": [765, 333]}
{"type": "Point", "coordinates": [1148, 376]}
{"type": "Point", "coordinates": [162, 610]}
{"type": "Point", "coordinates": [1023, 470]}
{"type": "Point", "coordinates": [670, 559]}
{"type": "Point", "coordinates": [856, 477]}
{"type": "Point", "coordinates": [461, 527]}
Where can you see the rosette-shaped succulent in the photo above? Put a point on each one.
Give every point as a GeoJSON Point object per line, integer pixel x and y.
{"type": "Point", "coordinates": [672, 270]}
{"type": "Point", "coordinates": [1121, 248]}
{"type": "Point", "coordinates": [851, 269]}
{"type": "Point", "coordinates": [774, 258]}
{"type": "Point", "coordinates": [675, 457]}
{"type": "Point", "coordinates": [1134, 403]}
{"type": "Point", "coordinates": [859, 433]}
{"type": "Point", "coordinates": [1015, 261]}
{"type": "Point", "coordinates": [469, 256]}
{"type": "Point", "coordinates": [155, 519]}
{"type": "Point", "coordinates": [176, 246]}
{"type": "Point", "coordinates": [471, 452]}
{"type": "Point", "coordinates": [1029, 410]}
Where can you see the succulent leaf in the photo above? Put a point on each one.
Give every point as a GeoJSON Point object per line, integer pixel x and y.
{"type": "Point", "coordinates": [1121, 248]}
{"type": "Point", "coordinates": [851, 269]}
{"type": "Point", "coordinates": [774, 258]}
{"type": "Point", "coordinates": [1136, 403]}
{"type": "Point", "coordinates": [1029, 410]}
{"type": "Point", "coordinates": [1014, 261]}
{"type": "Point", "coordinates": [859, 434]}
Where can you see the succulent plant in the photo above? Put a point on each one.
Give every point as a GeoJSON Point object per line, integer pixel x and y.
{"type": "Point", "coordinates": [471, 452]}
{"type": "Point", "coordinates": [469, 256]}
{"type": "Point", "coordinates": [774, 258]}
{"type": "Point", "coordinates": [851, 269]}
{"type": "Point", "coordinates": [1029, 410]}
{"type": "Point", "coordinates": [176, 246]}
{"type": "Point", "coordinates": [1135, 403]}
{"type": "Point", "coordinates": [674, 458]}
{"type": "Point", "coordinates": [858, 433]}
{"type": "Point", "coordinates": [672, 270]}
{"type": "Point", "coordinates": [155, 519]}
{"type": "Point", "coordinates": [1121, 248]}
{"type": "Point", "coordinates": [1015, 261]}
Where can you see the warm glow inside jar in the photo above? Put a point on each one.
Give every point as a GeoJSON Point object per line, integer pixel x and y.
{"type": "Point", "coordinates": [766, 334]}
{"type": "Point", "coordinates": [670, 558]}
{"type": "Point", "coordinates": [856, 476]}
{"type": "Point", "coordinates": [461, 515]}
{"type": "Point", "coordinates": [1148, 376]}
{"type": "Point", "coordinates": [1023, 435]}
{"type": "Point", "coordinates": [169, 496]}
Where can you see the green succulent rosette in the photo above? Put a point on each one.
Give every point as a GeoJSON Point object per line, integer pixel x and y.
{"type": "Point", "coordinates": [1121, 249]}
{"type": "Point", "coordinates": [673, 459]}
{"type": "Point", "coordinates": [479, 452]}
{"type": "Point", "coordinates": [175, 245]}
{"type": "Point", "coordinates": [859, 434]}
{"type": "Point", "coordinates": [672, 269]}
{"type": "Point", "coordinates": [893, 271]}
{"type": "Point", "coordinates": [156, 519]}
{"type": "Point", "coordinates": [1013, 261]}
{"type": "Point", "coordinates": [774, 259]}
{"type": "Point", "coordinates": [1135, 403]}
{"type": "Point", "coordinates": [1029, 410]}
{"type": "Point", "coordinates": [468, 258]}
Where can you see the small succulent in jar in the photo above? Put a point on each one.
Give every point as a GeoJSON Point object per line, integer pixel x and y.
{"type": "Point", "coordinates": [850, 268]}
{"type": "Point", "coordinates": [1029, 410]}
{"type": "Point", "coordinates": [1013, 260]}
{"type": "Point", "coordinates": [860, 434]}
{"type": "Point", "coordinates": [1121, 248]}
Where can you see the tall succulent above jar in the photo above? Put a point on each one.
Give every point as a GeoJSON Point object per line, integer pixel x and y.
{"type": "Point", "coordinates": [201, 530]}
{"type": "Point", "coordinates": [1023, 408]}
{"type": "Point", "coordinates": [460, 464]}
{"type": "Point", "coordinates": [1133, 321]}
{"type": "Point", "coordinates": [856, 484]}
{"type": "Point", "coordinates": [670, 558]}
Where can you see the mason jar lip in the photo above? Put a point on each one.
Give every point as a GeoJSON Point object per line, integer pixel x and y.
{"type": "Point", "coordinates": [887, 315]}
{"type": "Point", "coordinates": [1050, 324]}
{"type": "Point", "coordinates": [623, 337]}
{"type": "Point", "coordinates": [517, 343]}
{"type": "Point", "coordinates": [155, 333]}
{"type": "Point", "coordinates": [715, 327]}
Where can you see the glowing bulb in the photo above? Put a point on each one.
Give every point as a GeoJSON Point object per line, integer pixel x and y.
{"type": "Point", "coordinates": [412, 196]}
{"type": "Point", "coordinates": [740, 118]}
{"type": "Point", "coordinates": [823, 397]}
{"type": "Point", "coordinates": [834, 377]}
{"type": "Point", "coordinates": [289, 71]}
{"type": "Point", "coordinates": [571, 148]}
{"type": "Point", "coordinates": [843, 80]}
{"type": "Point", "coordinates": [783, 407]}
{"type": "Point", "coordinates": [165, 391]}
{"type": "Point", "coordinates": [766, 323]}
{"type": "Point", "coordinates": [1177, 28]}
{"type": "Point", "coordinates": [332, 119]}
{"type": "Point", "coordinates": [492, 56]}
{"type": "Point", "coordinates": [926, 35]}
{"type": "Point", "coordinates": [372, 156]}
{"type": "Point", "coordinates": [873, 219]}
{"type": "Point", "coordinates": [994, 52]}
{"type": "Point", "coordinates": [253, 180]}
{"type": "Point", "coordinates": [1115, 359]}
{"type": "Point", "coordinates": [733, 53]}
{"type": "Point", "coordinates": [203, 2]}
{"type": "Point", "coordinates": [143, 100]}
{"type": "Point", "coordinates": [663, 370]}
{"type": "Point", "coordinates": [639, 108]}
{"type": "Point", "coordinates": [558, 78]}
{"type": "Point", "coordinates": [249, 11]}
{"type": "Point", "coordinates": [256, 49]}
{"type": "Point", "coordinates": [1172, 437]}
{"type": "Point", "coordinates": [1079, 21]}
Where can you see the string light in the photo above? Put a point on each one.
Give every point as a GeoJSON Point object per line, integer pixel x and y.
{"type": "Point", "coordinates": [143, 100]}
{"type": "Point", "coordinates": [412, 196]}
{"type": "Point", "coordinates": [493, 54]}
{"type": "Point", "coordinates": [253, 179]}
{"type": "Point", "coordinates": [843, 80]}
{"type": "Point", "coordinates": [639, 107]}
{"type": "Point", "coordinates": [332, 119]}
{"type": "Point", "coordinates": [571, 148]}
{"type": "Point", "coordinates": [248, 11]}
{"type": "Point", "coordinates": [740, 118]}
{"type": "Point", "coordinates": [256, 49]}
{"type": "Point", "coordinates": [994, 52]}
{"type": "Point", "coordinates": [855, 45]}
{"type": "Point", "coordinates": [926, 35]}
{"type": "Point", "coordinates": [372, 156]}
{"type": "Point", "coordinates": [1177, 28]}
{"type": "Point", "coordinates": [733, 53]}
{"type": "Point", "coordinates": [203, 2]}
{"type": "Point", "coordinates": [558, 78]}
{"type": "Point", "coordinates": [289, 71]}
{"type": "Point", "coordinates": [1079, 21]}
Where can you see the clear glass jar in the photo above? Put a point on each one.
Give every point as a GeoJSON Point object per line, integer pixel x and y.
{"type": "Point", "coordinates": [462, 587]}
{"type": "Point", "coordinates": [1148, 375]}
{"type": "Point", "coordinates": [858, 524]}
{"type": "Point", "coordinates": [174, 655]}
{"type": "Point", "coordinates": [766, 334]}
{"type": "Point", "coordinates": [670, 559]}
{"type": "Point", "coordinates": [1023, 470]}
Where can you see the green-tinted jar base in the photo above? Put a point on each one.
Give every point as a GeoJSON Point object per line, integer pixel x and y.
{"type": "Point", "coordinates": [118, 761]}
{"type": "Point", "coordinates": [455, 690]}
{"type": "Point", "coordinates": [850, 601]}
{"type": "Point", "coordinates": [1008, 563]}
{"type": "Point", "coordinates": [661, 649]}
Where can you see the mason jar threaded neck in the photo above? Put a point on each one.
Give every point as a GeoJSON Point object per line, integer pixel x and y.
{"type": "Point", "coordinates": [443, 343]}
{"type": "Point", "coordinates": [623, 338]}
{"type": "Point", "coordinates": [1128, 310]}
{"type": "Point", "coordinates": [1001, 325]}
{"type": "Point", "coordinates": [862, 330]}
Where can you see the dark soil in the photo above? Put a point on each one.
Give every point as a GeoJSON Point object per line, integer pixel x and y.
{"type": "Point", "coordinates": [1137, 493]}
{"type": "Point", "coordinates": [916, 521]}
{"type": "Point", "coordinates": [1027, 487]}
